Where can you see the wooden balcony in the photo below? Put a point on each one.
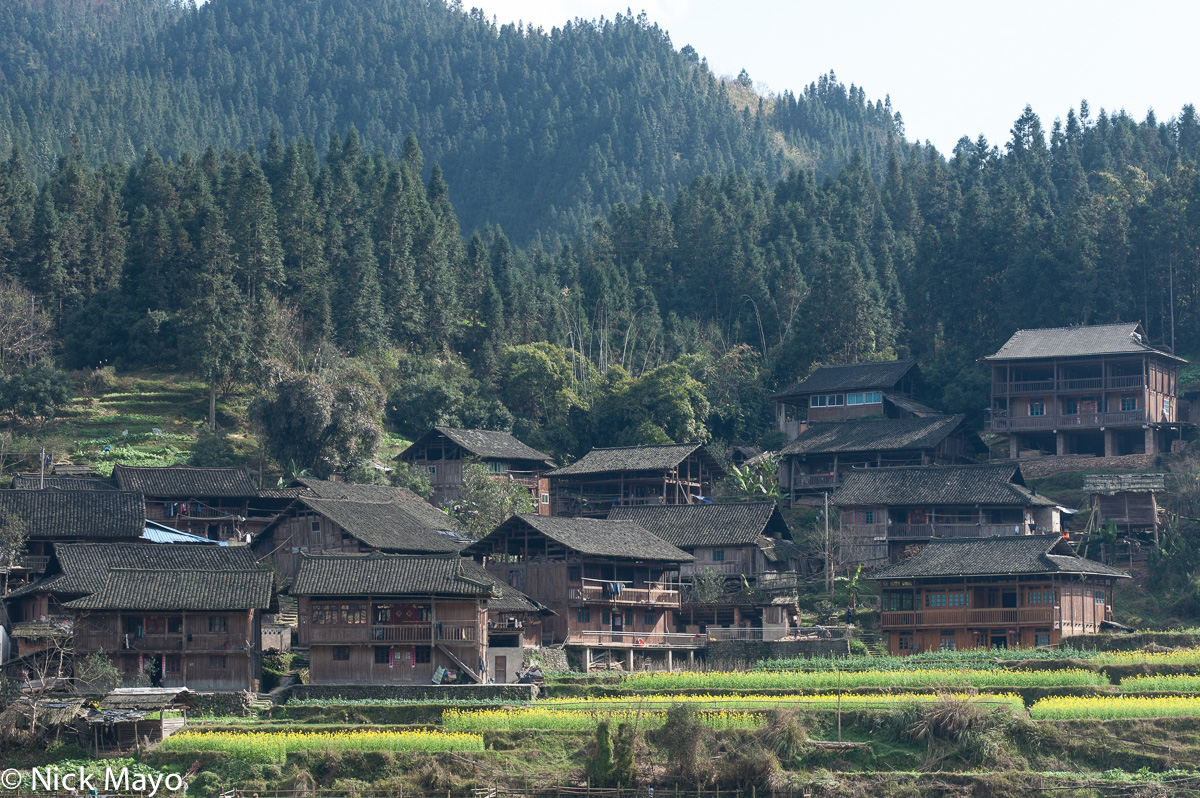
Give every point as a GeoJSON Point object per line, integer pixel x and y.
{"type": "Point", "coordinates": [885, 532]}
{"type": "Point", "coordinates": [816, 481]}
{"type": "Point", "coordinates": [450, 633]}
{"type": "Point", "coordinates": [34, 563]}
{"type": "Point", "coordinates": [732, 568]}
{"type": "Point", "coordinates": [598, 591]}
{"type": "Point", "coordinates": [954, 617]}
{"type": "Point", "coordinates": [635, 639]}
{"type": "Point", "coordinates": [1049, 386]}
{"type": "Point", "coordinates": [1065, 422]}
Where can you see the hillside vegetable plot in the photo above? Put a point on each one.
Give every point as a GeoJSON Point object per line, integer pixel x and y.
{"type": "Point", "coordinates": [478, 720]}
{"type": "Point", "coordinates": [1185, 683]}
{"type": "Point", "coordinates": [930, 677]}
{"type": "Point", "coordinates": [762, 703]}
{"type": "Point", "coordinates": [1115, 707]}
{"type": "Point", "coordinates": [275, 746]}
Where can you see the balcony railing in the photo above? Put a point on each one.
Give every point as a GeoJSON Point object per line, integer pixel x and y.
{"type": "Point", "coordinates": [816, 481]}
{"type": "Point", "coordinates": [446, 632]}
{"type": "Point", "coordinates": [600, 591]}
{"type": "Point", "coordinates": [607, 637]}
{"type": "Point", "coordinates": [884, 532]}
{"type": "Point", "coordinates": [35, 563]}
{"type": "Point", "coordinates": [1001, 423]}
{"type": "Point", "coordinates": [1018, 387]}
{"type": "Point", "coordinates": [733, 568]}
{"type": "Point", "coordinates": [1044, 616]}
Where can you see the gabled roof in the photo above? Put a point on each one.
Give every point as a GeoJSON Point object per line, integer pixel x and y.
{"type": "Point", "coordinates": [413, 527]}
{"type": "Point", "coordinates": [185, 482]}
{"type": "Point", "coordinates": [1109, 484]}
{"type": "Point", "coordinates": [378, 574]}
{"type": "Point", "coordinates": [623, 540]}
{"type": "Point", "coordinates": [636, 458]}
{"type": "Point", "coordinates": [1100, 339]}
{"type": "Point", "coordinates": [84, 566]}
{"type": "Point", "coordinates": [50, 481]}
{"type": "Point", "coordinates": [997, 556]}
{"type": "Point", "coordinates": [171, 589]}
{"type": "Point", "coordinates": [487, 444]}
{"type": "Point", "coordinates": [148, 699]}
{"type": "Point", "coordinates": [76, 513]}
{"type": "Point", "coordinates": [850, 377]}
{"type": "Point", "coordinates": [691, 525]}
{"type": "Point", "coordinates": [874, 435]}
{"type": "Point", "coordinates": [992, 484]}
{"type": "Point", "coordinates": [351, 491]}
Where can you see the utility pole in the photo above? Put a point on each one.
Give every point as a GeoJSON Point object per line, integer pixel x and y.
{"type": "Point", "coordinates": [42, 470]}
{"type": "Point", "coordinates": [828, 550]}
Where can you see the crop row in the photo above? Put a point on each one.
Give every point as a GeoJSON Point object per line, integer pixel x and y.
{"type": "Point", "coordinates": [982, 658]}
{"type": "Point", "coordinates": [275, 746]}
{"type": "Point", "coordinates": [479, 720]}
{"type": "Point", "coordinates": [1115, 707]}
{"type": "Point", "coordinates": [929, 677]}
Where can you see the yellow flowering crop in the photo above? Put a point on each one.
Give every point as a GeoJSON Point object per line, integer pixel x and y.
{"type": "Point", "coordinates": [275, 746]}
{"type": "Point", "coordinates": [926, 677]}
{"type": "Point", "coordinates": [1113, 707]}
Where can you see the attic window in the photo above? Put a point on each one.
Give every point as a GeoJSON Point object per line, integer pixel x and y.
{"type": "Point", "coordinates": [316, 526]}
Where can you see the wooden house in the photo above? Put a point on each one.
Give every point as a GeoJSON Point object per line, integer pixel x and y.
{"type": "Point", "coordinates": [742, 542]}
{"type": "Point", "coordinates": [216, 503]}
{"type": "Point", "coordinates": [442, 452]}
{"type": "Point", "coordinates": [341, 526]}
{"type": "Point", "coordinates": [49, 517]}
{"type": "Point", "coordinates": [1100, 390]}
{"type": "Point", "coordinates": [129, 717]}
{"type": "Point", "coordinates": [394, 619]}
{"type": "Point", "coordinates": [886, 511]}
{"type": "Point", "coordinates": [1004, 592]}
{"type": "Point", "coordinates": [514, 630]}
{"type": "Point", "coordinates": [817, 459]}
{"type": "Point", "coordinates": [678, 473]}
{"type": "Point", "coordinates": [195, 628]}
{"type": "Point", "coordinates": [608, 582]}
{"type": "Point", "coordinates": [855, 390]}
{"type": "Point", "coordinates": [1131, 501]}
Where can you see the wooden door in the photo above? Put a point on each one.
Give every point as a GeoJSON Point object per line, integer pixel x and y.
{"type": "Point", "coordinates": [501, 674]}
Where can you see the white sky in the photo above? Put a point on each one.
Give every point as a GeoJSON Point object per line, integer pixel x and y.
{"type": "Point", "coordinates": [951, 68]}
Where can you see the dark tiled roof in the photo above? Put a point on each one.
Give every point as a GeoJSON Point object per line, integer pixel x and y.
{"type": "Point", "coordinates": [350, 491]}
{"type": "Point", "coordinates": [147, 699]}
{"type": "Point", "coordinates": [85, 565]}
{"type": "Point", "coordinates": [782, 550]}
{"type": "Point", "coordinates": [1101, 339]}
{"type": "Point", "coordinates": [171, 589]}
{"type": "Point", "coordinates": [874, 435]}
{"type": "Point", "coordinates": [379, 574]}
{"type": "Point", "coordinates": [850, 377]}
{"type": "Point", "coordinates": [691, 525]}
{"type": "Point", "coordinates": [1124, 483]}
{"type": "Point", "coordinates": [185, 482]}
{"type": "Point", "coordinates": [76, 513]}
{"type": "Point", "coordinates": [482, 443]}
{"type": "Point", "coordinates": [1000, 484]}
{"type": "Point", "coordinates": [1019, 554]}
{"type": "Point", "coordinates": [393, 526]}
{"type": "Point", "coordinates": [617, 539]}
{"type": "Point", "coordinates": [509, 599]}
{"type": "Point", "coordinates": [634, 458]}
{"type": "Point", "coordinates": [36, 482]}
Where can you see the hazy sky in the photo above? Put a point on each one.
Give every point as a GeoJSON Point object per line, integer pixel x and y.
{"type": "Point", "coordinates": [951, 68]}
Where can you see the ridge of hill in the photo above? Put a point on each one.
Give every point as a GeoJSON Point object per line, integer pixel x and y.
{"type": "Point", "coordinates": [537, 132]}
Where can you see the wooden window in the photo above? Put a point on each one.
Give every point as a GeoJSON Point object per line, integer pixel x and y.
{"type": "Point", "coordinates": [1041, 638]}
{"type": "Point", "coordinates": [217, 623]}
{"type": "Point", "coordinates": [516, 578]}
{"type": "Point", "coordinates": [545, 498]}
{"type": "Point", "coordinates": [1037, 407]}
{"type": "Point", "coordinates": [946, 642]}
{"type": "Point", "coordinates": [216, 662]}
{"type": "Point", "coordinates": [341, 653]}
{"type": "Point", "coordinates": [422, 655]}
{"type": "Point", "coordinates": [1129, 403]}
{"type": "Point", "coordinates": [1035, 597]}
{"type": "Point", "coordinates": [352, 614]}
{"type": "Point", "coordinates": [629, 617]}
{"type": "Point", "coordinates": [174, 626]}
{"type": "Point", "coordinates": [1071, 407]}
{"type": "Point", "coordinates": [864, 516]}
{"type": "Point", "coordinates": [1049, 596]}
{"type": "Point", "coordinates": [574, 574]}
{"type": "Point", "coordinates": [1167, 408]}
{"type": "Point", "coordinates": [958, 600]}
{"type": "Point", "coordinates": [905, 642]}
{"type": "Point", "coordinates": [651, 618]}
{"type": "Point", "coordinates": [606, 617]}
{"type": "Point", "coordinates": [315, 526]}
{"type": "Point", "coordinates": [431, 469]}
{"type": "Point", "coordinates": [584, 615]}
{"type": "Point", "coordinates": [383, 655]}
{"type": "Point", "coordinates": [156, 626]}
{"type": "Point", "coordinates": [935, 600]}
{"type": "Point", "coordinates": [1100, 597]}
{"type": "Point", "coordinates": [718, 555]}
{"type": "Point", "coordinates": [171, 663]}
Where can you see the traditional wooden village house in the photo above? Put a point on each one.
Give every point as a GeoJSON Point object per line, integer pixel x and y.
{"type": "Point", "coordinates": [817, 459]}
{"type": "Point", "coordinates": [217, 503]}
{"type": "Point", "coordinates": [1003, 592]}
{"type": "Point", "coordinates": [514, 630]}
{"type": "Point", "coordinates": [1131, 501]}
{"type": "Point", "coordinates": [50, 517]}
{"type": "Point", "coordinates": [340, 526]}
{"type": "Point", "coordinates": [884, 512]}
{"type": "Point", "coordinates": [199, 629]}
{"type": "Point", "coordinates": [854, 390]}
{"type": "Point", "coordinates": [387, 618]}
{"type": "Point", "coordinates": [443, 451]}
{"type": "Point", "coordinates": [677, 473]}
{"type": "Point", "coordinates": [608, 582]}
{"type": "Point", "coordinates": [742, 543]}
{"type": "Point", "coordinates": [1100, 390]}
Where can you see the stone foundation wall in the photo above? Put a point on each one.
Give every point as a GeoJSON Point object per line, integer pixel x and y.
{"type": "Point", "coordinates": [235, 704]}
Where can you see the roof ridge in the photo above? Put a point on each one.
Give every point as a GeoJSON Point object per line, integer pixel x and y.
{"type": "Point", "coordinates": [1078, 327]}
{"type": "Point", "coordinates": [642, 446]}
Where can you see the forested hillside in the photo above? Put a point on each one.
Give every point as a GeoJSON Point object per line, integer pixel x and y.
{"type": "Point", "coordinates": [536, 132]}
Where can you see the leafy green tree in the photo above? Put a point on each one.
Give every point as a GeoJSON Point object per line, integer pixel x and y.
{"type": "Point", "coordinates": [487, 500]}
{"type": "Point", "coordinates": [212, 450]}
